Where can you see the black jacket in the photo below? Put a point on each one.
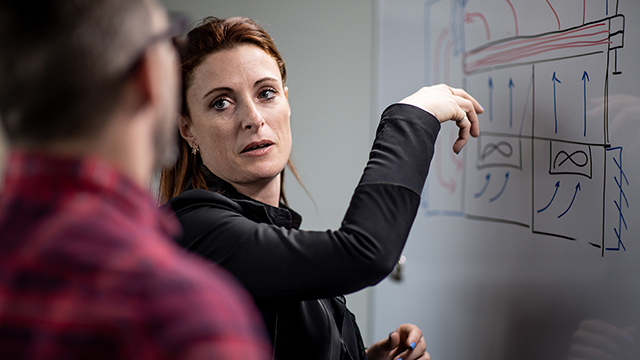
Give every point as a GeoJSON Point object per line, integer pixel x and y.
{"type": "Point", "coordinates": [297, 277]}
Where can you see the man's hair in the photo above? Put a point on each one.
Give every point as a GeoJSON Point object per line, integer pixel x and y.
{"type": "Point", "coordinates": [63, 64]}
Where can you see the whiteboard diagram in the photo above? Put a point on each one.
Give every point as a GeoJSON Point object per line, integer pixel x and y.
{"type": "Point", "coordinates": [544, 160]}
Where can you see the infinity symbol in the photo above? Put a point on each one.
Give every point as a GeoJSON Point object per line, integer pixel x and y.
{"type": "Point", "coordinates": [490, 148]}
{"type": "Point", "coordinates": [570, 157]}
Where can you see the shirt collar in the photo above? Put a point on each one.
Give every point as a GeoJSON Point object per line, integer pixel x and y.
{"type": "Point", "coordinates": [282, 215]}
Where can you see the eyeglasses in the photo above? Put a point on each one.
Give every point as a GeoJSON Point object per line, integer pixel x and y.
{"type": "Point", "coordinates": [174, 32]}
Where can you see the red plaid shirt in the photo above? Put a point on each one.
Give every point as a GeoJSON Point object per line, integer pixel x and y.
{"type": "Point", "coordinates": [88, 270]}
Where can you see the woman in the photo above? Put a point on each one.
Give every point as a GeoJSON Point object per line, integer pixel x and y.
{"type": "Point", "coordinates": [227, 192]}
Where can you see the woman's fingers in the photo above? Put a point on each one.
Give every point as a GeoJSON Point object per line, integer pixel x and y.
{"type": "Point", "coordinates": [476, 105]}
{"type": "Point", "coordinates": [471, 107]}
{"type": "Point", "coordinates": [447, 103]}
{"type": "Point", "coordinates": [468, 124]}
{"type": "Point", "coordinates": [419, 352]}
{"type": "Point", "coordinates": [413, 345]}
{"type": "Point", "coordinates": [410, 335]}
{"type": "Point", "coordinates": [463, 134]}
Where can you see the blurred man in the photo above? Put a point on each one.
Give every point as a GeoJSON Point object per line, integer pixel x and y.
{"type": "Point", "coordinates": [88, 91]}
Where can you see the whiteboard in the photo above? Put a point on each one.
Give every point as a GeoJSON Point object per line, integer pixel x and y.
{"type": "Point", "coordinates": [533, 228]}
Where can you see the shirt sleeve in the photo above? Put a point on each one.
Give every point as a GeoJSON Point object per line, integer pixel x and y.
{"type": "Point", "coordinates": [274, 262]}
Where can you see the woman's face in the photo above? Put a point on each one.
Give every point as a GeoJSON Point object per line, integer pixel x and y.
{"type": "Point", "coordinates": [239, 112]}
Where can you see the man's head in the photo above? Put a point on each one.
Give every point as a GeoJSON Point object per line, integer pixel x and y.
{"type": "Point", "coordinates": [68, 67]}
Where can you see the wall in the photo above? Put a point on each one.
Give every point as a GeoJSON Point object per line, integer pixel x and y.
{"type": "Point", "coordinates": [327, 47]}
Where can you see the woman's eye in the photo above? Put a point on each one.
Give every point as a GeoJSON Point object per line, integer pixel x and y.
{"type": "Point", "coordinates": [266, 94]}
{"type": "Point", "coordinates": [220, 104]}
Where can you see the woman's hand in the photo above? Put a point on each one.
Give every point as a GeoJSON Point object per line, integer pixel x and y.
{"type": "Point", "coordinates": [447, 103]}
{"type": "Point", "coordinates": [405, 343]}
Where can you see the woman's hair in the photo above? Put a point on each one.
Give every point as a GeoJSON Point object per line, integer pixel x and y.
{"type": "Point", "coordinates": [211, 36]}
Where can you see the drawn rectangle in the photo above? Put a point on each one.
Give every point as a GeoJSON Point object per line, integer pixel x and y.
{"type": "Point", "coordinates": [570, 159]}
{"type": "Point", "coordinates": [499, 151]}
{"type": "Point", "coordinates": [616, 31]}
{"type": "Point", "coordinates": [579, 41]}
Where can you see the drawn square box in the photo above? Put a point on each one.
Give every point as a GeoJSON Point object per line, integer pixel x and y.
{"type": "Point", "coordinates": [499, 151]}
{"type": "Point", "coordinates": [568, 158]}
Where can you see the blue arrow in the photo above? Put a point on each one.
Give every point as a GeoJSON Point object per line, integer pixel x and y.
{"type": "Point", "coordinates": [490, 98]}
{"type": "Point", "coordinates": [554, 79]}
{"type": "Point", "coordinates": [511, 86]}
{"type": "Point", "coordinates": [585, 79]}
{"type": "Point", "coordinates": [504, 186]}
{"type": "Point", "coordinates": [486, 185]}
{"type": "Point", "coordinates": [574, 197]}
{"type": "Point", "coordinates": [553, 197]}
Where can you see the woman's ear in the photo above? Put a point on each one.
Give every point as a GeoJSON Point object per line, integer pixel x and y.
{"type": "Point", "coordinates": [286, 95]}
{"type": "Point", "coordinates": [184, 124]}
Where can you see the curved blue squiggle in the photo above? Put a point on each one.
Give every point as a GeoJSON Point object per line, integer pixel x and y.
{"type": "Point", "coordinates": [553, 197]}
{"type": "Point", "coordinates": [578, 188]}
{"type": "Point", "coordinates": [504, 186]}
{"type": "Point", "coordinates": [486, 185]}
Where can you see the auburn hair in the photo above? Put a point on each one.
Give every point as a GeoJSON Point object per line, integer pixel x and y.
{"type": "Point", "coordinates": [210, 36]}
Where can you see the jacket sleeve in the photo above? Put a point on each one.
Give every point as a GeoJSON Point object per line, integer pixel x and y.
{"type": "Point", "coordinates": [274, 262]}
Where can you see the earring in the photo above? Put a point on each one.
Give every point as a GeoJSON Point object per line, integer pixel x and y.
{"type": "Point", "coordinates": [194, 148]}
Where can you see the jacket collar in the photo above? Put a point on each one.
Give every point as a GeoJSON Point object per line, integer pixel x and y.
{"type": "Point", "coordinates": [282, 216]}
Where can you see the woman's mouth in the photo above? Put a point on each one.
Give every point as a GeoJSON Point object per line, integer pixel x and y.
{"type": "Point", "coordinates": [257, 147]}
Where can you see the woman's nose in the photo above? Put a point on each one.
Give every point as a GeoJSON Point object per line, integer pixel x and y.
{"type": "Point", "coordinates": [252, 118]}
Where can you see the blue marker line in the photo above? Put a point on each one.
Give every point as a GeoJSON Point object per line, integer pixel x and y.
{"type": "Point", "coordinates": [578, 188]}
{"type": "Point", "coordinates": [622, 193]}
{"type": "Point", "coordinates": [504, 186]}
{"type": "Point", "coordinates": [620, 243]}
{"type": "Point", "coordinates": [554, 79]}
{"type": "Point", "coordinates": [486, 185]}
{"type": "Point", "coordinates": [511, 86]}
{"type": "Point", "coordinates": [585, 79]}
{"type": "Point", "coordinates": [490, 98]}
{"type": "Point", "coordinates": [621, 172]}
{"type": "Point", "coordinates": [552, 198]}
{"type": "Point", "coordinates": [624, 222]}
{"type": "Point", "coordinates": [619, 181]}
